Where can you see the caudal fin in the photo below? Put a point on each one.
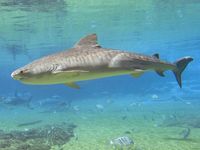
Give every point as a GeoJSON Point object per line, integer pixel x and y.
{"type": "Point", "coordinates": [181, 64]}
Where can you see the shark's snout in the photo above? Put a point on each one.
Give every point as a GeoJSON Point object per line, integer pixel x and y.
{"type": "Point", "coordinates": [17, 74]}
{"type": "Point", "coordinates": [14, 74]}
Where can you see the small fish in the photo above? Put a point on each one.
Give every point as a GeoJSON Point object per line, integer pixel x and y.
{"type": "Point", "coordinates": [54, 105]}
{"type": "Point", "coordinates": [76, 108]}
{"type": "Point", "coordinates": [121, 142]}
{"type": "Point", "coordinates": [87, 60]}
{"type": "Point", "coordinates": [55, 102]}
{"type": "Point", "coordinates": [19, 99]}
{"type": "Point", "coordinates": [100, 107]}
{"type": "Point", "coordinates": [185, 133]}
{"type": "Point", "coordinates": [154, 97]}
{"type": "Point", "coordinates": [2, 98]}
{"type": "Point", "coordinates": [133, 104]}
{"type": "Point", "coordinates": [127, 132]}
{"type": "Point", "coordinates": [56, 96]}
{"type": "Point", "coordinates": [109, 101]}
{"type": "Point", "coordinates": [29, 123]}
{"type": "Point", "coordinates": [124, 117]}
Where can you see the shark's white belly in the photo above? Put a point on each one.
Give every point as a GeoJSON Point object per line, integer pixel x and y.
{"type": "Point", "coordinates": [67, 77]}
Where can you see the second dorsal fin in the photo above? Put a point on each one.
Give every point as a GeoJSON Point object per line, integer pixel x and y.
{"type": "Point", "coordinates": [156, 55]}
{"type": "Point", "coordinates": [88, 41]}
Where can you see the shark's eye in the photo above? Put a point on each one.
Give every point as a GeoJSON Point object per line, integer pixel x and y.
{"type": "Point", "coordinates": [21, 71]}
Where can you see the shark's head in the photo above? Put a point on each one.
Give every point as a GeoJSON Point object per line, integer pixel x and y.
{"type": "Point", "coordinates": [24, 74]}
{"type": "Point", "coordinates": [40, 72]}
{"type": "Point", "coordinates": [31, 74]}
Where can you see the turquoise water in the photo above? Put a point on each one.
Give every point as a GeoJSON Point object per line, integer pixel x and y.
{"type": "Point", "coordinates": [151, 110]}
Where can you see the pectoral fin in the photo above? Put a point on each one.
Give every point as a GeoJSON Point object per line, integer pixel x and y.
{"type": "Point", "coordinates": [136, 75]}
{"type": "Point", "coordinates": [72, 85]}
{"type": "Point", "coordinates": [160, 73]}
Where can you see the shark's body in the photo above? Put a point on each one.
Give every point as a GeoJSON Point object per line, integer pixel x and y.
{"type": "Point", "coordinates": [87, 60]}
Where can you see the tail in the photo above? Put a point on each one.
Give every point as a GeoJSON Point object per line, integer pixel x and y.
{"type": "Point", "coordinates": [181, 64]}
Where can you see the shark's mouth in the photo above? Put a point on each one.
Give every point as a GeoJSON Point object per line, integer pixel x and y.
{"type": "Point", "coordinates": [19, 78]}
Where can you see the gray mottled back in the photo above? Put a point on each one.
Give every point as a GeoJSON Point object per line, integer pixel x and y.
{"type": "Point", "coordinates": [87, 54]}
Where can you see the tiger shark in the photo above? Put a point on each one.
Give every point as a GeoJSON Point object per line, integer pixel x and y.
{"type": "Point", "coordinates": [87, 60]}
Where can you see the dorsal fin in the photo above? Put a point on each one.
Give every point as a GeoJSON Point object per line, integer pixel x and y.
{"type": "Point", "coordinates": [88, 41]}
{"type": "Point", "coordinates": [156, 55]}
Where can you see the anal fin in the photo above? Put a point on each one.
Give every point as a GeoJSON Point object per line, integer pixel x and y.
{"type": "Point", "coordinates": [72, 85]}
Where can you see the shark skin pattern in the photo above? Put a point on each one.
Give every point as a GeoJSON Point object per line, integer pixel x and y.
{"type": "Point", "coordinates": [87, 60]}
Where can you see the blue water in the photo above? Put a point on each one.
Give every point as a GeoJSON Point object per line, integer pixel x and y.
{"type": "Point", "coordinates": [32, 29]}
